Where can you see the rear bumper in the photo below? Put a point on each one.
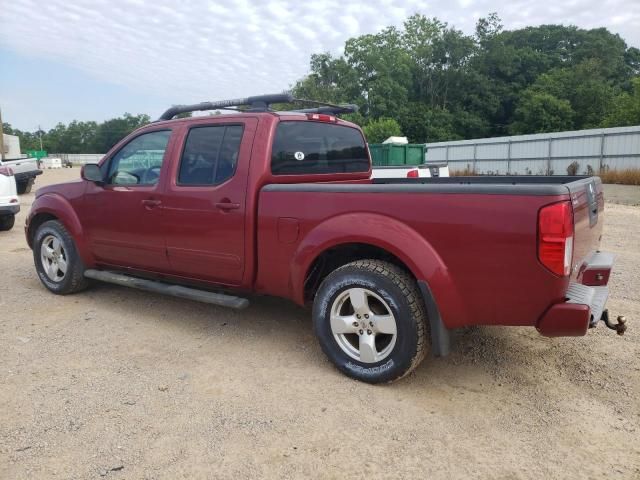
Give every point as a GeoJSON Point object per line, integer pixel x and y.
{"type": "Point", "coordinates": [22, 176]}
{"type": "Point", "coordinates": [9, 209]}
{"type": "Point", "coordinates": [585, 302]}
{"type": "Point", "coordinates": [582, 309]}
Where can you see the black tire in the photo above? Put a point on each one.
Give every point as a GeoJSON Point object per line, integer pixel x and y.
{"type": "Point", "coordinates": [73, 279]}
{"type": "Point", "coordinates": [402, 296]}
{"type": "Point", "coordinates": [23, 187]}
{"type": "Point", "coordinates": [7, 222]}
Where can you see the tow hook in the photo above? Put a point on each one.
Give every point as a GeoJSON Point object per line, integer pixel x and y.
{"type": "Point", "coordinates": [620, 327]}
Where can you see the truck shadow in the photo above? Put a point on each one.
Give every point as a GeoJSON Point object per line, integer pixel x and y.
{"type": "Point", "coordinates": [515, 356]}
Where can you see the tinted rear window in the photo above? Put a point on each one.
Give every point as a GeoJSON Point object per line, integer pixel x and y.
{"type": "Point", "coordinates": [301, 148]}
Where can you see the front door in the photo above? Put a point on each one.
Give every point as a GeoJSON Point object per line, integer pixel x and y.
{"type": "Point", "coordinates": [123, 216]}
{"type": "Point", "coordinates": [205, 203]}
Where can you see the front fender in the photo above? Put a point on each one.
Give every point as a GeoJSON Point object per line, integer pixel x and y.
{"type": "Point", "coordinates": [59, 207]}
{"type": "Point", "coordinates": [391, 235]}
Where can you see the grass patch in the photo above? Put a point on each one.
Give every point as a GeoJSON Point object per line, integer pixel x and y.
{"type": "Point", "coordinates": [630, 176]}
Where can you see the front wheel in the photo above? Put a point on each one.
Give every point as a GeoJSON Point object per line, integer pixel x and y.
{"type": "Point", "coordinates": [7, 222]}
{"type": "Point", "coordinates": [371, 321]}
{"type": "Point", "coordinates": [57, 261]}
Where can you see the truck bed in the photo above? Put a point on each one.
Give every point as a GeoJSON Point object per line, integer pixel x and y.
{"type": "Point", "coordinates": [474, 236]}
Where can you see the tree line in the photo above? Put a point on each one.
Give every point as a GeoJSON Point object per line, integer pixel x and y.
{"type": "Point", "coordinates": [79, 137]}
{"type": "Point", "coordinates": [431, 82]}
{"type": "Point", "coordinates": [434, 83]}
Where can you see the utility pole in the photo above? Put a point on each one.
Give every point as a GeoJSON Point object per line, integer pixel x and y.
{"type": "Point", "coordinates": [1, 139]}
{"type": "Point", "coordinates": [40, 136]}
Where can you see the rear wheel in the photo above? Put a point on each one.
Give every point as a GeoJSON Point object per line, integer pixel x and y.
{"type": "Point", "coordinates": [370, 320]}
{"type": "Point", "coordinates": [7, 222]}
{"type": "Point", "coordinates": [56, 258]}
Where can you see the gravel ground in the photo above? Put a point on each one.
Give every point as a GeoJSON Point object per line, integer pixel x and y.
{"type": "Point", "coordinates": [624, 194]}
{"type": "Point", "coordinates": [117, 383]}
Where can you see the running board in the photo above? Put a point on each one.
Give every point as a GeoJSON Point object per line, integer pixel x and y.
{"type": "Point", "coordinates": [168, 289]}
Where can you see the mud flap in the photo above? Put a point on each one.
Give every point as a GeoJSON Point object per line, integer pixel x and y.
{"type": "Point", "coordinates": [440, 340]}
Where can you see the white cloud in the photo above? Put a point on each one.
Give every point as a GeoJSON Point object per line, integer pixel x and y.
{"type": "Point", "coordinates": [205, 49]}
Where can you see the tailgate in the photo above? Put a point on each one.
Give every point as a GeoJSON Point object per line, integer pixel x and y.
{"type": "Point", "coordinates": [587, 199]}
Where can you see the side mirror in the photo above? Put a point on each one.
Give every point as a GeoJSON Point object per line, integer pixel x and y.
{"type": "Point", "coordinates": [91, 172]}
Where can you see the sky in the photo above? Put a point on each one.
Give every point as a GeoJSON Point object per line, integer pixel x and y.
{"type": "Point", "coordinates": [62, 60]}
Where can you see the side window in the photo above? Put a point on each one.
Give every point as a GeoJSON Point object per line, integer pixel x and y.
{"type": "Point", "coordinates": [210, 155]}
{"type": "Point", "coordinates": [139, 161]}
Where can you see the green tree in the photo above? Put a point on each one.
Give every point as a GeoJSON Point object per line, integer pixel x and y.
{"type": "Point", "coordinates": [330, 80]}
{"type": "Point", "coordinates": [584, 86]}
{"type": "Point", "coordinates": [382, 71]}
{"type": "Point", "coordinates": [542, 112]}
{"type": "Point", "coordinates": [422, 124]}
{"type": "Point", "coordinates": [112, 131]}
{"type": "Point", "coordinates": [378, 130]}
{"type": "Point", "coordinates": [625, 109]}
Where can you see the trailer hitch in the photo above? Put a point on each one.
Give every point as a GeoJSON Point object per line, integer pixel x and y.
{"type": "Point", "coordinates": [620, 327]}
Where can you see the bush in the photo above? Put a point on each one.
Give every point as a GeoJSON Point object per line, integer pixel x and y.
{"type": "Point", "coordinates": [572, 169]}
{"type": "Point", "coordinates": [378, 130]}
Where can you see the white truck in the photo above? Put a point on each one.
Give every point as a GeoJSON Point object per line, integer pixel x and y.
{"type": "Point", "coordinates": [426, 170]}
{"type": "Point", "coordinates": [25, 170]}
{"type": "Point", "coordinates": [9, 203]}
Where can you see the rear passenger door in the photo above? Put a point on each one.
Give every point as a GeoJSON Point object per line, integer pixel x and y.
{"type": "Point", "coordinates": [204, 210]}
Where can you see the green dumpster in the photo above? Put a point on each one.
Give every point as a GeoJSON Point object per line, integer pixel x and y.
{"type": "Point", "coordinates": [389, 154]}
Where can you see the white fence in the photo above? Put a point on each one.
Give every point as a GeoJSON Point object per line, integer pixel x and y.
{"type": "Point", "coordinates": [543, 154]}
{"type": "Point", "coordinates": [78, 158]}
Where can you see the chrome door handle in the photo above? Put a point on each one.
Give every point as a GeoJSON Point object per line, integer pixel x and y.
{"type": "Point", "coordinates": [227, 206]}
{"type": "Point", "coordinates": [151, 203]}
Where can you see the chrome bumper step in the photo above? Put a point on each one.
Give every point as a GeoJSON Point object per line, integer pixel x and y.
{"type": "Point", "coordinates": [594, 297]}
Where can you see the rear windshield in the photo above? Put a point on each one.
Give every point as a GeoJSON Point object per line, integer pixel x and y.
{"type": "Point", "coordinates": [302, 147]}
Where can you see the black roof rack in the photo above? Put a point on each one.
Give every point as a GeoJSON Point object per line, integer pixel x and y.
{"type": "Point", "coordinates": [329, 108]}
{"type": "Point", "coordinates": [259, 103]}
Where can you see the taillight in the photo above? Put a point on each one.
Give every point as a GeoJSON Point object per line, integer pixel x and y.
{"type": "Point", "coordinates": [413, 174]}
{"type": "Point", "coordinates": [555, 237]}
{"type": "Point", "coordinates": [321, 117]}
{"type": "Point", "coordinates": [6, 171]}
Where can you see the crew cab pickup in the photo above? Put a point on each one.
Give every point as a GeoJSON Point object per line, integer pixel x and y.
{"type": "Point", "coordinates": [282, 203]}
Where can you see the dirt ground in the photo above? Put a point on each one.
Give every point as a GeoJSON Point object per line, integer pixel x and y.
{"type": "Point", "coordinates": [623, 194]}
{"type": "Point", "coordinates": [118, 383]}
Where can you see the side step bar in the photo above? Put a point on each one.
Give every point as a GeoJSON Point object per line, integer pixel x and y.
{"type": "Point", "coordinates": [168, 289]}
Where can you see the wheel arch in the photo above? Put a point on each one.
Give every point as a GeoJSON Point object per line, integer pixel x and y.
{"type": "Point", "coordinates": [35, 222]}
{"type": "Point", "coordinates": [341, 254]}
{"type": "Point", "coordinates": [381, 237]}
{"type": "Point", "coordinates": [55, 207]}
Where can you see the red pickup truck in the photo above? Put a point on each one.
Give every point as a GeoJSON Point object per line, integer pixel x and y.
{"type": "Point", "coordinates": [282, 203]}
